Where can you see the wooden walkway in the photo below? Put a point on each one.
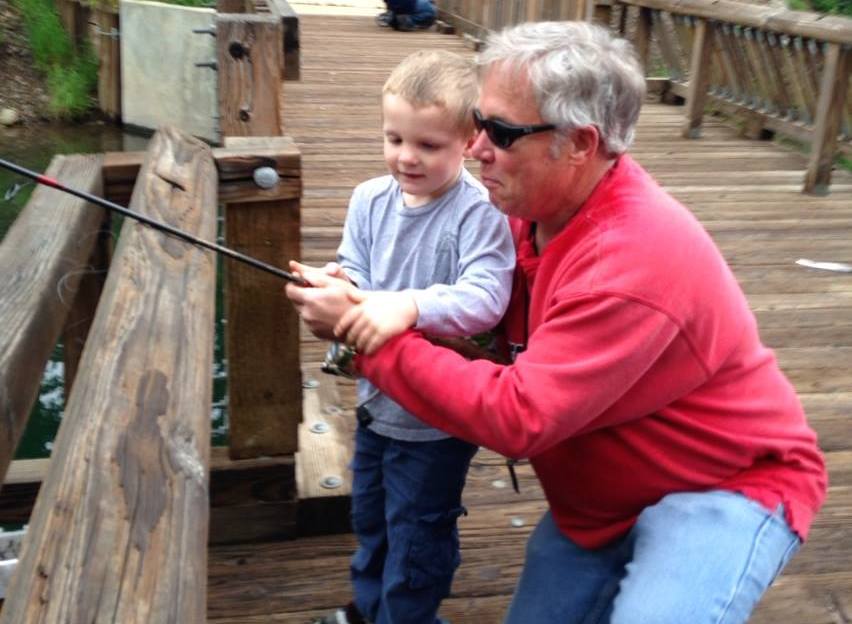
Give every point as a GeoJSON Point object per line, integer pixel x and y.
{"type": "Point", "coordinates": [747, 195]}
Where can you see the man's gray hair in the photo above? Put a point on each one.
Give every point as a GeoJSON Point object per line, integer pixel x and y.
{"type": "Point", "coordinates": [580, 74]}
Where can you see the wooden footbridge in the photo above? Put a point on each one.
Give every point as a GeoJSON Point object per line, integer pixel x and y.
{"type": "Point", "coordinates": [138, 520]}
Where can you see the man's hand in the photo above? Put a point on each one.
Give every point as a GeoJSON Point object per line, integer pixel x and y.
{"type": "Point", "coordinates": [326, 300]}
{"type": "Point", "coordinates": [378, 318]}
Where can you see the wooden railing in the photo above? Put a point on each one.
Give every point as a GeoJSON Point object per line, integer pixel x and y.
{"type": "Point", "coordinates": [776, 70]}
{"type": "Point", "coordinates": [120, 528]}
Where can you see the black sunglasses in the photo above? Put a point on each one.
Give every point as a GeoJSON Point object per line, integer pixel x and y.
{"type": "Point", "coordinates": [503, 134]}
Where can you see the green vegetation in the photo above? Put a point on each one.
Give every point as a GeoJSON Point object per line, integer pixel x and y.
{"type": "Point", "coordinates": [838, 7]}
{"type": "Point", "coordinates": [71, 74]}
{"type": "Point", "coordinates": [113, 4]}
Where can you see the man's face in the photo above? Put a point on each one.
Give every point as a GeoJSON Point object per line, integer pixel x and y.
{"type": "Point", "coordinates": [524, 180]}
{"type": "Point", "coordinates": [423, 150]}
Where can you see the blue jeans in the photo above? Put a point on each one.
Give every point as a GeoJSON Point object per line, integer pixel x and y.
{"type": "Point", "coordinates": [692, 557]}
{"type": "Point", "coordinates": [406, 498]}
{"type": "Point", "coordinates": [422, 13]}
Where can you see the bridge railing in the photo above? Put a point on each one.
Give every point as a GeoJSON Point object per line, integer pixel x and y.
{"type": "Point", "coordinates": [119, 530]}
{"type": "Point", "coordinates": [776, 70]}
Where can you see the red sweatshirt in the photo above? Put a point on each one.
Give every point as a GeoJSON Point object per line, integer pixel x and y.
{"type": "Point", "coordinates": [643, 374]}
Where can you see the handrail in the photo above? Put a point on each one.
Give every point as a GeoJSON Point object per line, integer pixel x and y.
{"type": "Point", "coordinates": [45, 256]}
{"type": "Point", "coordinates": [119, 529]}
{"type": "Point", "coordinates": [829, 28]}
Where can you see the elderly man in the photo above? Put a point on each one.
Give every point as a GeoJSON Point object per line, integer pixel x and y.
{"type": "Point", "coordinates": [679, 469]}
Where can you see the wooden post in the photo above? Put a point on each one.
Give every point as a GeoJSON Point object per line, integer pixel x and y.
{"type": "Point", "coordinates": [108, 47]}
{"type": "Point", "coordinates": [74, 17]}
{"type": "Point", "coordinates": [644, 29]}
{"type": "Point", "coordinates": [43, 255]}
{"type": "Point", "coordinates": [699, 76]}
{"type": "Point", "coordinates": [829, 115]}
{"type": "Point", "coordinates": [234, 6]}
{"type": "Point", "coordinates": [264, 375]}
{"type": "Point", "coordinates": [250, 58]}
{"type": "Point", "coordinates": [119, 530]}
{"type": "Point", "coordinates": [290, 27]}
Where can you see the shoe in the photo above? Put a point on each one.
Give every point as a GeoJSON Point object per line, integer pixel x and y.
{"type": "Point", "coordinates": [347, 615]}
{"type": "Point", "coordinates": [403, 23]}
{"type": "Point", "coordinates": [386, 19]}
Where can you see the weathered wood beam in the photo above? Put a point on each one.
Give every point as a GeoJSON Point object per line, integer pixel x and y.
{"type": "Point", "coordinates": [251, 62]}
{"type": "Point", "coordinates": [326, 440]}
{"type": "Point", "coordinates": [831, 28]}
{"type": "Point", "coordinates": [44, 255]}
{"type": "Point", "coordinates": [250, 499]}
{"type": "Point", "coordinates": [290, 30]}
{"type": "Point", "coordinates": [263, 347]}
{"type": "Point", "coordinates": [699, 79]}
{"type": "Point", "coordinates": [236, 165]}
{"type": "Point", "coordinates": [264, 374]}
{"type": "Point", "coordinates": [829, 117]}
{"type": "Point", "coordinates": [119, 530]}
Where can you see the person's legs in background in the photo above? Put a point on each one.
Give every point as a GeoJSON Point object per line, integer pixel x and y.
{"type": "Point", "coordinates": [408, 15]}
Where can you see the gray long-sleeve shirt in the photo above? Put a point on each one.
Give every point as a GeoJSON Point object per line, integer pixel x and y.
{"type": "Point", "coordinates": [456, 252]}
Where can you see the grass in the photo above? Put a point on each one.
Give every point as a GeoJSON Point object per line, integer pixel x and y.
{"type": "Point", "coordinates": [71, 74]}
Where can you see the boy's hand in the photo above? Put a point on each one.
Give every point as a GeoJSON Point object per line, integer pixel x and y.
{"type": "Point", "coordinates": [377, 319]}
{"type": "Point", "coordinates": [323, 304]}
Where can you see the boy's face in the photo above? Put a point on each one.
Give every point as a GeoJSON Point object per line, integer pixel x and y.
{"type": "Point", "coordinates": [423, 148]}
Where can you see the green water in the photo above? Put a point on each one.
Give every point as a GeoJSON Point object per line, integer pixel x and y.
{"type": "Point", "coordinates": [34, 148]}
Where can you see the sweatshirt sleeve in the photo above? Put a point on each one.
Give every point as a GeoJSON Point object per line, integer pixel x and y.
{"type": "Point", "coordinates": [477, 300]}
{"type": "Point", "coordinates": [354, 251]}
{"type": "Point", "coordinates": [588, 352]}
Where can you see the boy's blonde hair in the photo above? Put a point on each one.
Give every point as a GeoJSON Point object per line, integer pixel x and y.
{"type": "Point", "coordinates": [437, 78]}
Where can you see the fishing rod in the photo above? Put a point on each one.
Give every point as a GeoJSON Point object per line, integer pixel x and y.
{"type": "Point", "coordinates": [157, 225]}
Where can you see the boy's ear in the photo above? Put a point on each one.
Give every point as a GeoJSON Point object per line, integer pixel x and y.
{"type": "Point", "coordinates": [469, 145]}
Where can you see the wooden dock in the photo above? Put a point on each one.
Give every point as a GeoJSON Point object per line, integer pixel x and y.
{"type": "Point", "coordinates": [747, 193]}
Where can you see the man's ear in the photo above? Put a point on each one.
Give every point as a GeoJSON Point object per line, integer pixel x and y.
{"type": "Point", "coordinates": [585, 142]}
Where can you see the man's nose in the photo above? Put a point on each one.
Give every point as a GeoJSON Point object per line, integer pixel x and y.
{"type": "Point", "coordinates": [482, 148]}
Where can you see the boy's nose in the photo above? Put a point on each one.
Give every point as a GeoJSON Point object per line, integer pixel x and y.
{"type": "Point", "coordinates": [408, 155]}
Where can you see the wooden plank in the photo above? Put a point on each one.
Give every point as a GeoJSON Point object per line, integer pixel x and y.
{"type": "Point", "coordinates": [699, 76]}
{"type": "Point", "coordinates": [264, 375]}
{"type": "Point", "coordinates": [118, 533]}
{"type": "Point", "coordinates": [44, 255]}
{"type": "Point", "coordinates": [644, 29]}
{"type": "Point", "coordinates": [290, 37]}
{"type": "Point", "coordinates": [251, 60]}
{"type": "Point", "coordinates": [250, 500]}
{"type": "Point", "coordinates": [326, 438]}
{"type": "Point", "coordinates": [835, 29]}
{"type": "Point", "coordinates": [108, 48]}
{"type": "Point", "coordinates": [835, 80]}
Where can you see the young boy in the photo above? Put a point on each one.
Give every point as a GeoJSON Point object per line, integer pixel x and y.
{"type": "Point", "coordinates": [435, 255]}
